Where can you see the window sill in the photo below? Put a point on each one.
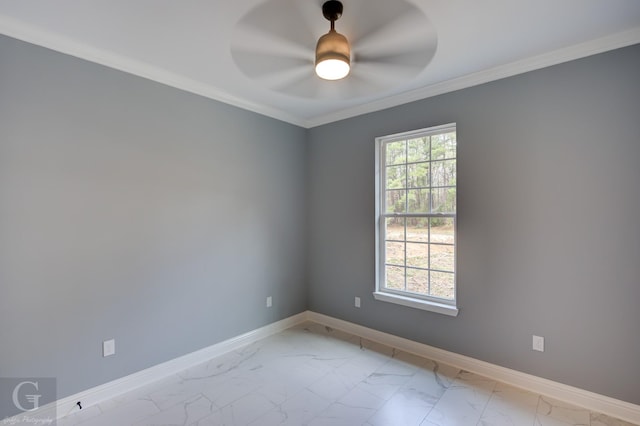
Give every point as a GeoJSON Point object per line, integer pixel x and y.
{"type": "Point", "coordinates": [425, 305]}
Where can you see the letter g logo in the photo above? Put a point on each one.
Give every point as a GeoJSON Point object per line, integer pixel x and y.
{"type": "Point", "coordinates": [34, 399]}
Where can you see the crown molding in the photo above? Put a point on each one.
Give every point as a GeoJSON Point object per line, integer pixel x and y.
{"type": "Point", "coordinates": [600, 45]}
{"type": "Point", "coordinates": [31, 34]}
{"type": "Point", "coordinates": [25, 32]}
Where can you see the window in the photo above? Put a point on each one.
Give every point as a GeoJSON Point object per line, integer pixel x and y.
{"type": "Point", "coordinates": [416, 219]}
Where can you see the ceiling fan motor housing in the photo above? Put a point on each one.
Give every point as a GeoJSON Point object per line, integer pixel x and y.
{"type": "Point", "coordinates": [332, 10]}
{"type": "Point", "coordinates": [333, 47]}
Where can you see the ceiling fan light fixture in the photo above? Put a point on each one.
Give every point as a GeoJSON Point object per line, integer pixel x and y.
{"type": "Point", "coordinates": [333, 54]}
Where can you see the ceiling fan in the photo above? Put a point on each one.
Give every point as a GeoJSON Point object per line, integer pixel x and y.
{"type": "Point", "coordinates": [275, 44]}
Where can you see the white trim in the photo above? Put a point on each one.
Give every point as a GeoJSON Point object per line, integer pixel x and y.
{"type": "Point", "coordinates": [106, 391]}
{"type": "Point", "coordinates": [425, 305]}
{"type": "Point", "coordinates": [582, 398]}
{"type": "Point", "coordinates": [382, 293]}
{"type": "Point", "coordinates": [592, 401]}
{"type": "Point", "coordinates": [31, 34]}
{"type": "Point", "coordinates": [593, 47]}
{"type": "Point", "coordinates": [411, 134]}
{"type": "Point", "coordinates": [22, 31]}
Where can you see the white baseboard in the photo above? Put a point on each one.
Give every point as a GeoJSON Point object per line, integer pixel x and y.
{"type": "Point", "coordinates": [592, 401]}
{"type": "Point", "coordinates": [572, 395]}
{"type": "Point", "coordinates": [65, 406]}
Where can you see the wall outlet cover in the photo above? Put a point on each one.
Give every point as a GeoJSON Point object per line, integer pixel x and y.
{"type": "Point", "coordinates": [538, 343]}
{"type": "Point", "coordinates": [108, 347]}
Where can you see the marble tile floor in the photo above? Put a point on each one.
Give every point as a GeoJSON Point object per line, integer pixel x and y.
{"type": "Point", "coordinates": [313, 375]}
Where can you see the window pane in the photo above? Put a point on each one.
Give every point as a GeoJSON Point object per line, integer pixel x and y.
{"type": "Point", "coordinates": [419, 179]}
{"type": "Point", "coordinates": [442, 285]}
{"type": "Point", "coordinates": [442, 230]}
{"type": "Point", "coordinates": [418, 281]}
{"type": "Point", "coordinates": [394, 277]}
{"type": "Point", "coordinates": [395, 201]}
{"type": "Point", "coordinates": [443, 146]}
{"type": "Point", "coordinates": [396, 177]}
{"type": "Point", "coordinates": [450, 144]}
{"type": "Point", "coordinates": [418, 200]}
{"type": "Point", "coordinates": [396, 152]}
{"type": "Point", "coordinates": [418, 229]}
{"type": "Point", "coordinates": [395, 228]}
{"type": "Point", "coordinates": [418, 149]}
{"type": "Point", "coordinates": [442, 257]}
{"type": "Point", "coordinates": [418, 175]}
{"type": "Point", "coordinates": [394, 253]}
{"type": "Point", "coordinates": [437, 147]}
{"type": "Point", "coordinates": [418, 255]}
{"type": "Point", "coordinates": [443, 200]}
{"type": "Point", "coordinates": [443, 173]}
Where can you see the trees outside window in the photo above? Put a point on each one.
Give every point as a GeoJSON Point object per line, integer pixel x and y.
{"type": "Point", "coordinates": [416, 214]}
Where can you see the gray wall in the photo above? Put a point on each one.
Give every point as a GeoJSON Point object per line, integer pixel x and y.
{"type": "Point", "coordinates": [548, 222]}
{"type": "Point", "coordinates": [134, 211]}
{"type": "Point", "coordinates": [162, 219]}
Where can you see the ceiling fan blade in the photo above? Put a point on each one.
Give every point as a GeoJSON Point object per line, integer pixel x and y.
{"type": "Point", "coordinates": [303, 86]}
{"type": "Point", "coordinates": [262, 65]}
{"type": "Point", "coordinates": [273, 42]}
{"type": "Point", "coordinates": [385, 74]}
{"type": "Point", "coordinates": [406, 60]}
{"type": "Point", "coordinates": [272, 71]}
{"type": "Point", "coordinates": [407, 30]}
{"type": "Point", "coordinates": [277, 27]}
{"type": "Point", "coordinates": [261, 41]}
{"type": "Point", "coordinates": [392, 42]}
{"type": "Point", "coordinates": [313, 87]}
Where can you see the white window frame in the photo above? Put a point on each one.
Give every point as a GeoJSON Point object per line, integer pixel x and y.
{"type": "Point", "coordinates": [424, 302]}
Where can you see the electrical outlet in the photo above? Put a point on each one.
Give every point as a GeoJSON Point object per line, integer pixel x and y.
{"type": "Point", "coordinates": [108, 347]}
{"type": "Point", "coordinates": [538, 343]}
{"type": "Point", "coordinates": [269, 302]}
{"type": "Point", "coordinates": [357, 302]}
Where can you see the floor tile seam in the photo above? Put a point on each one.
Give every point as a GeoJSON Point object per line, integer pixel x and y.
{"type": "Point", "coordinates": [538, 416]}
{"type": "Point", "coordinates": [535, 414]}
{"type": "Point", "coordinates": [211, 403]}
{"type": "Point", "coordinates": [373, 394]}
{"type": "Point", "coordinates": [449, 389]}
{"type": "Point", "coordinates": [486, 404]}
{"type": "Point", "coordinates": [331, 401]}
{"type": "Point", "coordinates": [280, 409]}
{"type": "Point", "coordinates": [333, 370]}
{"type": "Point", "coordinates": [493, 395]}
{"type": "Point", "coordinates": [422, 367]}
{"type": "Point", "coordinates": [155, 403]}
{"type": "Point", "coordinates": [395, 393]}
{"type": "Point", "coordinates": [437, 398]}
{"type": "Point", "coordinates": [187, 399]}
{"type": "Point", "coordinates": [429, 412]}
{"type": "Point", "coordinates": [221, 407]}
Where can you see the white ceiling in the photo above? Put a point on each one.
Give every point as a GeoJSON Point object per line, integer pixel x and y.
{"type": "Point", "coordinates": [259, 54]}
